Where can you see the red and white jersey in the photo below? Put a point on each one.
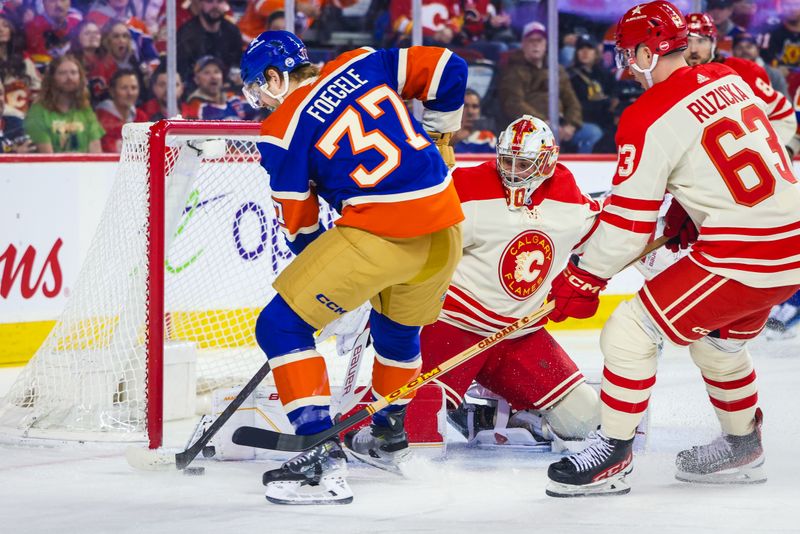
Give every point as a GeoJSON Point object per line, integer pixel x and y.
{"type": "Point", "coordinates": [703, 136]}
{"type": "Point", "coordinates": [511, 256]}
{"type": "Point", "coordinates": [779, 110]}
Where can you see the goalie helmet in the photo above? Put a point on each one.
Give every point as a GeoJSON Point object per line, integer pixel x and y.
{"type": "Point", "coordinates": [277, 49]}
{"type": "Point", "coordinates": [527, 154]}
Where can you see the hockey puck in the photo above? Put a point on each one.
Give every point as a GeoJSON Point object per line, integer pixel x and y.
{"type": "Point", "coordinates": [194, 471]}
{"type": "Point", "coordinates": [209, 451]}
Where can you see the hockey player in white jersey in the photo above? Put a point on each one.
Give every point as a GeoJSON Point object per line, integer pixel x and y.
{"type": "Point", "coordinates": [524, 216]}
{"type": "Point", "coordinates": [702, 135]}
{"type": "Point", "coordinates": [702, 43]}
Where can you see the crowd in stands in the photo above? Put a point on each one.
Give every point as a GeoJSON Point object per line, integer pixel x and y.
{"type": "Point", "coordinates": [73, 72]}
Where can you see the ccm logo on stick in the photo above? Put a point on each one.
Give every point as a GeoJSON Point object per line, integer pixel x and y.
{"type": "Point", "coordinates": [330, 304]}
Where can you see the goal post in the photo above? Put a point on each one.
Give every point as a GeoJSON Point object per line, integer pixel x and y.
{"type": "Point", "coordinates": [181, 264]}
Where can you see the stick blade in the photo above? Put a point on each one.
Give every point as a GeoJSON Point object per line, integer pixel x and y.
{"type": "Point", "coordinates": [146, 459]}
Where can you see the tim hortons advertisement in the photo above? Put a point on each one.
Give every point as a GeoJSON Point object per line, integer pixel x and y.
{"type": "Point", "coordinates": [38, 242]}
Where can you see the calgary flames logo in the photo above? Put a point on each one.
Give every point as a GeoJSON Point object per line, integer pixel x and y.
{"type": "Point", "coordinates": [525, 263]}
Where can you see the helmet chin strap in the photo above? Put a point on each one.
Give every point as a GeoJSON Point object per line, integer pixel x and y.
{"type": "Point", "coordinates": [282, 95]}
{"type": "Point", "coordinates": [648, 76]}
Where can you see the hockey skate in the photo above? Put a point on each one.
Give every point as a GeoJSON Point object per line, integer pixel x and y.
{"type": "Point", "coordinates": [726, 460]}
{"type": "Point", "coordinates": [316, 476]}
{"type": "Point", "coordinates": [599, 469]}
{"type": "Point", "coordinates": [380, 446]}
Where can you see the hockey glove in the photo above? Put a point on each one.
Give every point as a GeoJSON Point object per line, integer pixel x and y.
{"type": "Point", "coordinates": [679, 227]}
{"type": "Point", "coordinates": [576, 294]}
{"type": "Point", "coordinates": [442, 141]}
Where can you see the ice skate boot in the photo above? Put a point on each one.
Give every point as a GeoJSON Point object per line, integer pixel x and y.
{"type": "Point", "coordinates": [384, 447]}
{"type": "Point", "coordinates": [726, 460]}
{"type": "Point", "coordinates": [316, 476]}
{"type": "Point", "coordinates": [599, 469]}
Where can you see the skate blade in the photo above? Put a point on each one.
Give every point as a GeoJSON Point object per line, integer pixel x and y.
{"type": "Point", "coordinates": [616, 485]}
{"type": "Point", "coordinates": [394, 467]}
{"type": "Point", "coordinates": [744, 475]}
{"type": "Point", "coordinates": [332, 489]}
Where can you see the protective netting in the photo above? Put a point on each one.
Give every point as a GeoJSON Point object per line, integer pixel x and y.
{"type": "Point", "coordinates": [223, 250]}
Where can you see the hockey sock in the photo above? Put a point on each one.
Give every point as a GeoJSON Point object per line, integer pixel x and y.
{"type": "Point", "coordinates": [397, 361]}
{"type": "Point", "coordinates": [629, 342]}
{"type": "Point", "coordinates": [730, 382]}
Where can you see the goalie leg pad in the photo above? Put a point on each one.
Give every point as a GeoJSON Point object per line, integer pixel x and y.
{"type": "Point", "coordinates": [577, 414]}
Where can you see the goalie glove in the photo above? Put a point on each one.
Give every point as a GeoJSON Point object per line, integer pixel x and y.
{"type": "Point", "coordinates": [442, 142]}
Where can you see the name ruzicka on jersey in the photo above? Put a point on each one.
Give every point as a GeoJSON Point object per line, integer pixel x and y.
{"type": "Point", "coordinates": [716, 100]}
{"type": "Point", "coordinates": [329, 98]}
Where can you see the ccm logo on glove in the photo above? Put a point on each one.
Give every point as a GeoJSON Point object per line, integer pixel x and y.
{"type": "Point", "coordinates": [576, 294]}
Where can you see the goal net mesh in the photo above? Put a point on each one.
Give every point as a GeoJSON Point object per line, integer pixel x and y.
{"type": "Point", "coordinates": [223, 249]}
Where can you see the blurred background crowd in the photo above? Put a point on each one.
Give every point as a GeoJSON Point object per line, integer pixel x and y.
{"type": "Point", "coordinates": [72, 72]}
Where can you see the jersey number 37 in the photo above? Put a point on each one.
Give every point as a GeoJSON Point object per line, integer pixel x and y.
{"type": "Point", "coordinates": [349, 123]}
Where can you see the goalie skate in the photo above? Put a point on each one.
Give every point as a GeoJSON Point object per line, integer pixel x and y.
{"type": "Point", "coordinates": [726, 460]}
{"type": "Point", "coordinates": [317, 476]}
{"type": "Point", "coordinates": [599, 469]}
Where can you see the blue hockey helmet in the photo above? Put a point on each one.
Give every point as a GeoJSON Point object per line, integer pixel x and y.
{"type": "Point", "coordinates": [278, 49]}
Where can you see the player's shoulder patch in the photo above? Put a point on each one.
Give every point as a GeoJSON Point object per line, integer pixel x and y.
{"type": "Point", "coordinates": [481, 182]}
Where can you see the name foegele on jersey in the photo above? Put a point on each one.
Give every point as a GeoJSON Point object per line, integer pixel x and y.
{"type": "Point", "coordinates": [334, 94]}
{"type": "Point", "coordinates": [716, 100]}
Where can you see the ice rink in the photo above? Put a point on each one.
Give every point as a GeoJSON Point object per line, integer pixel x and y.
{"type": "Point", "coordinates": [91, 490]}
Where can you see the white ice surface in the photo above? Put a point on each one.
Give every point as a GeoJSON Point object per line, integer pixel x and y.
{"type": "Point", "coordinates": [90, 490]}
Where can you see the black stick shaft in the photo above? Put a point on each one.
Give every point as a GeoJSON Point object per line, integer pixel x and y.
{"type": "Point", "coordinates": [183, 459]}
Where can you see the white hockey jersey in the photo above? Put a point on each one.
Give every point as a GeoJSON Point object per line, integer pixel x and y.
{"type": "Point", "coordinates": [703, 136]}
{"type": "Point", "coordinates": [511, 257]}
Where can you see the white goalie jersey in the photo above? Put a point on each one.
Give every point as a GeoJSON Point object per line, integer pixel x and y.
{"type": "Point", "coordinates": [511, 256]}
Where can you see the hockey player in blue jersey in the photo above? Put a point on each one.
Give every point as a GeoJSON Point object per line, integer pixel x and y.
{"type": "Point", "coordinates": [344, 134]}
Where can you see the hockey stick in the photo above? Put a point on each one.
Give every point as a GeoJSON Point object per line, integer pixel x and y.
{"type": "Point", "coordinates": [158, 460]}
{"type": "Point", "coordinates": [267, 439]}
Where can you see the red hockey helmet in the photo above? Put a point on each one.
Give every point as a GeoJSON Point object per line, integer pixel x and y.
{"type": "Point", "coordinates": [657, 25]}
{"type": "Point", "coordinates": [701, 25]}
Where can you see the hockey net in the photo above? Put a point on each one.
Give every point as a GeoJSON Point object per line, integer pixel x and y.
{"type": "Point", "coordinates": [183, 259]}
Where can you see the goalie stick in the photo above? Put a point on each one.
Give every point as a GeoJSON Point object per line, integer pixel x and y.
{"type": "Point", "coordinates": [268, 439]}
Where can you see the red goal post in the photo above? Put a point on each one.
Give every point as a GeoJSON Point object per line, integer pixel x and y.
{"type": "Point", "coordinates": [180, 266]}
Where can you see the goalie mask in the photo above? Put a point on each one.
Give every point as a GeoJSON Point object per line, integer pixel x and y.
{"type": "Point", "coordinates": [526, 156]}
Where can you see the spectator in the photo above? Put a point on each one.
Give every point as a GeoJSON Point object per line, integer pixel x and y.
{"type": "Point", "coordinates": [120, 109]}
{"type": "Point", "coordinates": [780, 45]}
{"type": "Point", "coordinates": [85, 45]}
{"type": "Point", "coordinates": [482, 21]}
{"type": "Point", "coordinates": [258, 14]}
{"type": "Point", "coordinates": [745, 47]}
{"type": "Point", "coordinates": [156, 108]}
{"type": "Point", "coordinates": [441, 21]}
{"type": "Point", "coordinates": [62, 119]}
{"type": "Point", "coordinates": [210, 101]}
{"type": "Point", "coordinates": [17, 72]}
{"type": "Point", "coordinates": [117, 41]}
{"type": "Point", "coordinates": [522, 89]}
{"type": "Point", "coordinates": [474, 136]}
{"type": "Point", "coordinates": [209, 34]}
{"type": "Point", "coordinates": [721, 12]}
{"type": "Point", "coordinates": [103, 12]}
{"type": "Point", "coordinates": [12, 132]}
{"type": "Point", "coordinates": [593, 83]}
{"type": "Point", "coordinates": [47, 35]}
{"type": "Point", "coordinates": [20, 12]}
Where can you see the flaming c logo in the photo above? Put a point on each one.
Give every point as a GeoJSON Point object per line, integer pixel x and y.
{"type": "Point", "coordinates": [525, 263]}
